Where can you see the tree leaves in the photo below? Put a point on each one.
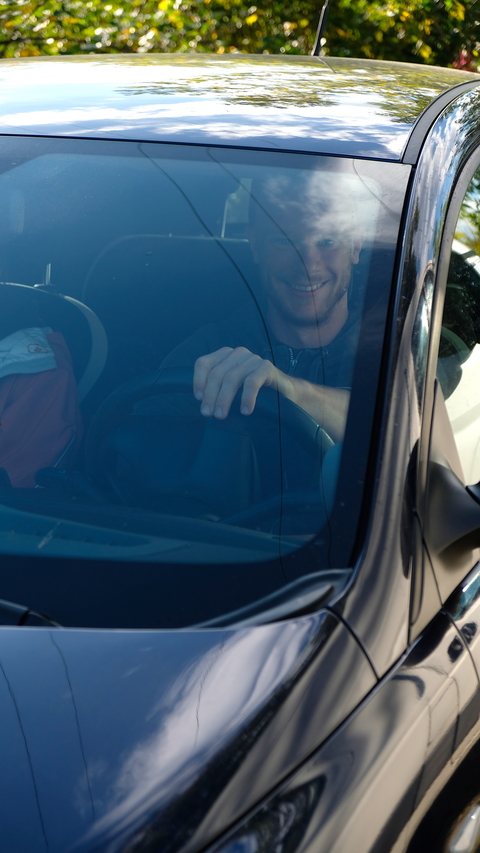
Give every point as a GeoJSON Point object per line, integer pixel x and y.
{"type": "Point", "coordinates": [445, 32]}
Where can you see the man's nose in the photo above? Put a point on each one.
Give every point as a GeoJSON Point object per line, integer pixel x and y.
{"type": "Point", "coordinates": [312, 257]}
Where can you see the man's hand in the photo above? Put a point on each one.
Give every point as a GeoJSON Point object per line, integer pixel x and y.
{"type": "Point", "coordinates": [219, 375]}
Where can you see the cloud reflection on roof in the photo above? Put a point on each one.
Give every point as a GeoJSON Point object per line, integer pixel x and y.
{"type": "Point", "coordinates": [356, 109]}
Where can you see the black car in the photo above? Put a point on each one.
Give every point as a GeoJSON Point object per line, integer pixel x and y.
{"type": "Point", "coordinates": [239, 443]}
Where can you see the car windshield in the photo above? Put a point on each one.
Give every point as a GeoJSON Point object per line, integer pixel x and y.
{"type": "Point", "coordinates": [190, 345]}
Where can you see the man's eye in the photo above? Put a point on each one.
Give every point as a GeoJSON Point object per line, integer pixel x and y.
{"type": "Point", "coordinates": [326, 243]}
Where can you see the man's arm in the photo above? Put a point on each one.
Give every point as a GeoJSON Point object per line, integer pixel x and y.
{"type": "Point", "coordinates": [219, 375]}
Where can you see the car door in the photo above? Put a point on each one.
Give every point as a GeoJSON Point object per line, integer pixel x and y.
{"type": "Point", "coordinates": [448, 501]}
{"type": "Point", "coordinates": [450, 510]}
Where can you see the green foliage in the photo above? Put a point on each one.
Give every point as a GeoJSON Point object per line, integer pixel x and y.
{"type": "Point", "coordinates": [468, 226]}
{"type": "Point", "coordinates": [441, 32]}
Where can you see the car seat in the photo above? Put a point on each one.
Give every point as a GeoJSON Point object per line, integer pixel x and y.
{"type": "Point", "coordinates": [85, 336]}
{"type": "Point", "coordinates": [152, 292]}
{"type": "Point", "coordinates": [23, 308]}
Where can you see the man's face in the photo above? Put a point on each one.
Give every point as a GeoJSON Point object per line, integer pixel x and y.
{"type": "Point", "coordinates": [305, 246]}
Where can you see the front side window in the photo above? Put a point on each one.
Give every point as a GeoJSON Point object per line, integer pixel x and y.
{"type": "Point", "coordinates": [190, 341]}
{"type": "Point", "coordinates": [458, 369]}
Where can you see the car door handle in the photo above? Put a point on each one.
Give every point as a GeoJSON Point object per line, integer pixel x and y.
{"type": "Point", "coordinates": [468, 631]}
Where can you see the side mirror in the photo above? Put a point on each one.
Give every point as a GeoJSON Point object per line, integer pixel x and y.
{"type": "Point", "coordinates": [452, 524]}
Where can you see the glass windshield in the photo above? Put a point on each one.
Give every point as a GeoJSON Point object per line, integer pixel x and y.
{"type": "Point", "coordinates": [190, 341]}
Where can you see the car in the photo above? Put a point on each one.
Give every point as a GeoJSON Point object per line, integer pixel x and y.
{"type": "Point", "coordinates": [239, 455]}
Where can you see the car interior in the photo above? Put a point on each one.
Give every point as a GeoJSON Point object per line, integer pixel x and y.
{"type": "Point", "coordinates": [138, 294]}
{"type": "Point", "coordinates": [458, 366]}
{"type": "Point", "coordinates": [127, 256]}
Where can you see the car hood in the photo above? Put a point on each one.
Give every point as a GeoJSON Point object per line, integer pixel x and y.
{"type": "Point", "coordinates": [147, 738]}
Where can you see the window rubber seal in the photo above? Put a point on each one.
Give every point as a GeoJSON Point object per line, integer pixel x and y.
{"type": "Point", "coordinates": [427, 118]}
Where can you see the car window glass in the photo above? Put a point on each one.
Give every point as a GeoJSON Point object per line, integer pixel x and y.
{"type": "Point", "coordinates": [121, 266]}
{"type": "Point", "coordinates": [458, 368]}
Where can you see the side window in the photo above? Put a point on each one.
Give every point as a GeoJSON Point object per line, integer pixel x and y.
{"type": "Point", "coordinates": [458, 369]}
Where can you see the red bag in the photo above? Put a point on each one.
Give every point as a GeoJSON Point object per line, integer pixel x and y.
{"type": "Point", "coordinates": [39, 417]}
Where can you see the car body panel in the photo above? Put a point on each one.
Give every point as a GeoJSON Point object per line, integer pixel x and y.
{"type": "Point", "coordinates": [464, 609]}
{"type": "Point", "coordinates": [343, 107]}
{"type": "Point", "coordinates": [127, 727]}
{"type": "Point", "coordinates": [365, 783]}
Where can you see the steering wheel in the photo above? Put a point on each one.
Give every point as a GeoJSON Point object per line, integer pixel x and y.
{"type": "Point", "coordinates": [223, 477]}
{"type": "Point", "coordinates": [459, 346]}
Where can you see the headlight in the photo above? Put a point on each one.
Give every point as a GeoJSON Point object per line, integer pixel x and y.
{"type": "Point", "coordinates": [278, 826]}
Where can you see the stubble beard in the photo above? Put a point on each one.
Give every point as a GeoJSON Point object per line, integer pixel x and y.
{"type": "Point", "coordinates": [317, 321]}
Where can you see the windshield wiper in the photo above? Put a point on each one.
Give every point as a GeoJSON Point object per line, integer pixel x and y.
{"type": "Point", "coordinates": [299, 598]}
{"type": "Point", "coordinates": [18, 614]}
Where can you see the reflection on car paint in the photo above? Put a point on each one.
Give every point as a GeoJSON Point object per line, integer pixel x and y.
{"type": "Point", "coordinates": [144, 720]}
{"type": "Point", "coordinates": [427, 701]}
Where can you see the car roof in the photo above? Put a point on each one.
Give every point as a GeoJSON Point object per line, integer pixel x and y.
{"type": "Point", "coordinates": [361, 108]}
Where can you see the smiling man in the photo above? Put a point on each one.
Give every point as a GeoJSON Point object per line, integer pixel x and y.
{"type": "Point", "coordinates": [305, 239]}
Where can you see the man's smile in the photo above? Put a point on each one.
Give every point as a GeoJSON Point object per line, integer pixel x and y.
{"type": "Point", "coordinates": [308, 288]}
